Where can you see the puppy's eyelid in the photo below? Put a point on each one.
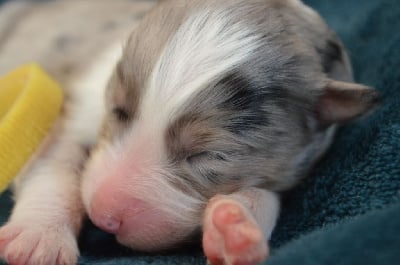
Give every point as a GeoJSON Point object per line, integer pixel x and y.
{"type": "Point", "coordinates": [206, 154]}
{"type": "Point", "coordinates": [121, 114]}
{"type": "Point", "coordinates": [195, 156]}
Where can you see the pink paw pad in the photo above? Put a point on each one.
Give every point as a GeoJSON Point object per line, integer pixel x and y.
{"type": "Point", "coordinates": [231, 235]}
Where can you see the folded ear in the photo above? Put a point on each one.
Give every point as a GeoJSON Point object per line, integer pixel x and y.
{"type": "Point", "coordinates": [341, 102]}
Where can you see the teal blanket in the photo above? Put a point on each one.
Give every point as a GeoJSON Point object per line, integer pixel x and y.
{"type": "Point", "coordinates": [348, 210]}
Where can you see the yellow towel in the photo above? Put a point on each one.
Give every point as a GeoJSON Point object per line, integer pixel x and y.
{"type": "Point", "coordinates": [30, 102]}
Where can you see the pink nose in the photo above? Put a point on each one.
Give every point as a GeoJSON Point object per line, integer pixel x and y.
{"type": "Point", "coordinates": [108, 224]}
{"type": "Point", "coordinates": [109, 209]}
{"type": "Point", "coordinates": [104, 215]}
{"type": "Point", "coordinates": [136, 223]}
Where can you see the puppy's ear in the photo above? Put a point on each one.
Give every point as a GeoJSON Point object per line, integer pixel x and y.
{"type": "Point", "coordinates": [341, 102]}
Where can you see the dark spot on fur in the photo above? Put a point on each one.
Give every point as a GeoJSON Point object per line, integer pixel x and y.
{"type": "Point", "coordinates": [109, 25]}
{"type": "Point", "coordinates": [245, 100]}
{"type": "Point", "coordinates": [65, 42]}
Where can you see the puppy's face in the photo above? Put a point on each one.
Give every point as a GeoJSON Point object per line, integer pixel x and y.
{"type": "Point", "coordinates": [208, 101]}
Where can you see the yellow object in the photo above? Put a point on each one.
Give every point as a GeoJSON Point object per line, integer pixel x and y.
{"type": "Point", "coordinates": [30, 102]}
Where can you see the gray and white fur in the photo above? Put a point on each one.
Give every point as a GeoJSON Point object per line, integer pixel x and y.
{"type": "Point", "coordinates": [211, 109]}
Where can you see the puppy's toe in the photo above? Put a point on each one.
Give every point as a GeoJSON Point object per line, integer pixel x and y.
{"type": "Point", "coordinates": [37, 244]}
{"type": "Point", "coordinates": [231, 235]}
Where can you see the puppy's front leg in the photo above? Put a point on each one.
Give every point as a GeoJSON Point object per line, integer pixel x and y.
{"type": "Point", "coordinates": [48, 213]}
{"type": "Point", "coordinates": [237, 227]}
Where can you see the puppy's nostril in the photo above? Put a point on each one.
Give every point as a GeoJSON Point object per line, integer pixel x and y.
{"type": "Point", "coordinates": [110, 224]}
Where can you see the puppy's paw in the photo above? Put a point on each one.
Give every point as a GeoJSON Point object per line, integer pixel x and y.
{"type": "Point", "coordinates": [37, 244]}
{"type": "Point", "coordinates": [231, 235]}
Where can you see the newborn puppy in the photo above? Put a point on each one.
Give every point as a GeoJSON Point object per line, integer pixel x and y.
{"type": "Point", "coordinates": [212, 109]}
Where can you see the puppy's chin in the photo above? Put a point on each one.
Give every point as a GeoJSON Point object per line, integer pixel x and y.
{"type": "Point", "coordinates": [154, 233]}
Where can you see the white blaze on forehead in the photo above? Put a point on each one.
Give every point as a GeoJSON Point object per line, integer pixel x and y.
{"type": "Point", "coordinates": [206, 46]}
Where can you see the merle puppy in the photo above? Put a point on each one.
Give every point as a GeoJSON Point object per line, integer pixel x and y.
{"type": "Point", "coordinates": [211, 109]}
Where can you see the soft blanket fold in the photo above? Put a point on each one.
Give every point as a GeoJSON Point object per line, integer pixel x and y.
{"type": "Point", "coordinates": [348, 210]}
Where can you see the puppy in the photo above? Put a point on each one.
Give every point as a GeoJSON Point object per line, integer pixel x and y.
{"type": "Point", "coordinates": [211, 109]}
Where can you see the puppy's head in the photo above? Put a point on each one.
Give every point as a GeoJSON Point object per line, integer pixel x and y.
{"type": "Point", "coordinates": [210, 99]}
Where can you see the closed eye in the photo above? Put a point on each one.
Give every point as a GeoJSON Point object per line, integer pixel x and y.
{"type": "Point", "coordinates": [121, 114]}
{"type": "Point", "coordinates": [205, 155]}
